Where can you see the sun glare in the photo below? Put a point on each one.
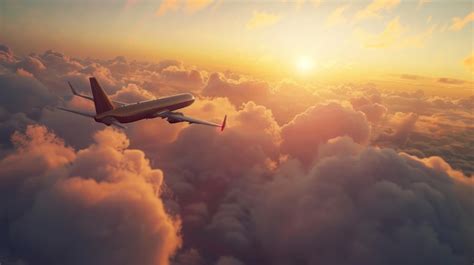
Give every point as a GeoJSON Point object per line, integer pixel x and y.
{"type": "Point", "coordinates": [304, 64]}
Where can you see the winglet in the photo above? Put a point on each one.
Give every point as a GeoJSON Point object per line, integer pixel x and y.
{"type": "Point", "coordinates": [223, 123]}
{"type": "Point", "coordinates": [72, 88]}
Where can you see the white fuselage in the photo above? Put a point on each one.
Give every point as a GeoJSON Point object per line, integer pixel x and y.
{"type": "Point", "coordinates": [145, 109]}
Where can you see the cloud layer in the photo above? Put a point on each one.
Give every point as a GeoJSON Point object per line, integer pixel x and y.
{"type": "Point", "coordinates": [58, 203]}
{"type": "Point", "coordinates": [302, 175]}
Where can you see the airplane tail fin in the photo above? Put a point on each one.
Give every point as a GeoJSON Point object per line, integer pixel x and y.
{"type": "Point", "coordinates": [101, 101]}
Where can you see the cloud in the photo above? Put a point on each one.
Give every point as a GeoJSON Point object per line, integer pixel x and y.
{"type": "Point", "coordinates": [269, 178]}
{"type": "Point", "coordinates": [419, 39]}
{"type": "Point", "coordinates": [412, 77]}
{"type": "Point", "coordinates": [337, 16]}
{"type": "Point", "coordinates": [374, 206]}
{"type": "Point", "coordinates": [450, 81]}
{"type": "Point", "coordinates": [375, 8]}
{"type": "Point", "coordinates": [394, 35]}
{"type": "Point", "coordinates": [262, 19]}
{"type": "Point", "coordinates": [153, 136]}
{"type": "Point", "coordinates": [60, 203]}
{"type": "Point", "coordinates": [459, 23]}
{"type": "Point", "coordinates": [388, 37]}
{"type": "Point", "coordinates": [404, 125]}
{"type": "Point", "coordinates": [373, 111]}
{"type": "Point", "coordinates": [469, 62]}
{"type": "Point", "coordinates": [6, 55]}
{"type": "Point", "coordinates": [167, 5]}
{"type": "Point", "coordinates": [441, 124]}
{"type": "Point", "coordinates": [190, 6]}
{"type": "Point", "coordinates": [191, 79]}
{"type": "Point", "coordinates": [237, 90]}
{"type": "Point", "coordinates": [303, 135]}
{"type": "Point", "coordinates": [132, 93]}
{"type": "Point", "coordinates": [23, 88]}
{"type": "Point", "coordinates": [22, 99]}
{"type": "Point", "coordinates": [201, 181]}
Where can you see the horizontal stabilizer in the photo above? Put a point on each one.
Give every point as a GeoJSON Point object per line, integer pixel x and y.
{"type": "Point", "coordinates": [85, 114]}
{"type": "Point", "coordinates": [75, 93]}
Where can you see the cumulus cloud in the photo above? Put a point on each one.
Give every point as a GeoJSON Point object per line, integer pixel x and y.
{"type": "Point", "coordinates": [190, 79]}
{"type": "Point", "coordinates": [303, 135]}
{"type": "Point", "coordinates": [371, 207]}
{"type": "Point", "coordinates": [237, 90]}
{"type": "Point", "coordinates": [58, 203]}
{"type": "Point", "coordinates": [6, 55]}
{"type": "Point", "coordinates": [373, 110]}
{"type": "Point", "coordinates": [132, 93]}
{"type": "Point", "coordinates": [293, 169]}
{"type": "Point", "coordinates": [22, 98]}
{"type": "Point", "coordinates": [29, 91]}
{"type": "Point", "coordinates": [403, 124]}
{"type": "Point", "coordinates": [201, 180]}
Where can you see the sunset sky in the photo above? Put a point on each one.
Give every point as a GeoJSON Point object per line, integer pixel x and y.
{"type": "Point", "coordinates": [349, 135]}
{"type": "Point", "coordinates": [333, 40]}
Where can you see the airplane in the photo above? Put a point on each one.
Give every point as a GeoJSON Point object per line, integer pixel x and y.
{"type": "Point", "coordinates": [115, 113]}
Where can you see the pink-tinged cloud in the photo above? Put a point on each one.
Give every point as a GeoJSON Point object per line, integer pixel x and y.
{"type": "Point", "coordinates": [243, 196]}
{"type": "Point", "coordinates": [60, 203]}
{"type": "Point", "coordinates": [403, 125]}
{"type": "Point", "coordinates": [366, 206]}
{"type": "Point", "coordinates": [181, 77]}
{"type": "Point", "coordinates": [373, 110]}
{"type": "Point", "coordinates": [132, 94]}
{"type": "Point", "coordinates": [237, 90]}
{"type": "Point", "coordinates": [303, 135]}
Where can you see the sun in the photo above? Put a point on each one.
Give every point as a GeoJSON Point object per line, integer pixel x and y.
{"type": "Point", "coordinates": [304, 64]}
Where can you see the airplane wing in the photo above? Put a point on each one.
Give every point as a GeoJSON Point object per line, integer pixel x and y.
{"type": "Point", "coordinates": [91, 115]}
{"type": "Point", "coordinates": [174, 117]}
{"type": "Point", "coordinates": [85, 114]}
{"type": "Point", "coordinates": [74, 91]}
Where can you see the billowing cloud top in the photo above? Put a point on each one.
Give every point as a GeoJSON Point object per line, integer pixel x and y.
{"type": "Point", "coordinates": [302, 175]}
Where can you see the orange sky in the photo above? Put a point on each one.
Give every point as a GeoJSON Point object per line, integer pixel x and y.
{"type": "Point", "coordinates": [315, 41]}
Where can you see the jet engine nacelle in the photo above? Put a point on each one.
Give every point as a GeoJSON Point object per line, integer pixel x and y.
{"type": "Point", "coordinates": [175, 118]}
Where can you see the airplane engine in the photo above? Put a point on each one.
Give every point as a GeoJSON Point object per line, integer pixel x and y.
{"type": "Point", "coordinates": [175, 118]}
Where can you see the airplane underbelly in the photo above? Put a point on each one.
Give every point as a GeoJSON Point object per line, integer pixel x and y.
{"type": "Point", "coordinates": [135, 116]}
